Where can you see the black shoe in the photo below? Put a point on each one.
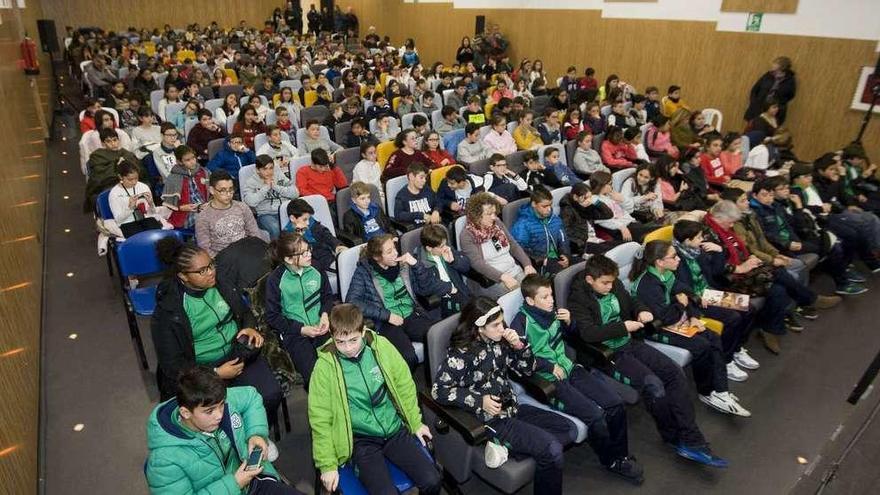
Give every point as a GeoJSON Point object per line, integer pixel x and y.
{"type": "Point", "coordinates": [807, 312]}
{"type": "Point", "coordinates": [629, 468]}
{"type": "Point", "coordinates": [792, 324]}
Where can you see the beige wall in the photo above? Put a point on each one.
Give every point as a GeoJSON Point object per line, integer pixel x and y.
{"type": "Point", "coordinates": [715, 69]}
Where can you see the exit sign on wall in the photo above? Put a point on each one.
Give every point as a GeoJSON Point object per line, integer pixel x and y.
{"type": "Point", "coordinates": [754, 22]}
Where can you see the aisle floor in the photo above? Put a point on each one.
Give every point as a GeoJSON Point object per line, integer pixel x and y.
{"type": "Point", "coordinates": [797, 399]}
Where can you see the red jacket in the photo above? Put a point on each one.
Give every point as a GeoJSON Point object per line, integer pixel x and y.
{"type": "Point", "coordinates": [249, 133]}
{"type": "Point", "coordinates": [437, 156]}
{"type": "Point", "coordinates": [309, 181]}
{"type": "Point", "coordinates": [713, 169]}
{"type": "Point", "coordinates": [618, 155]}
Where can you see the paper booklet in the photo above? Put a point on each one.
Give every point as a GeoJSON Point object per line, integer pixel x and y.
{"type": "Point", "coordinates": [683, 328]}
{"type": "Point", "coordinates": [728, 300]}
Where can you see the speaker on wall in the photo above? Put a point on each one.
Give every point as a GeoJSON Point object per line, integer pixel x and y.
{"type": "Point", "coordinates": [480, 25]}
{"type": "Point", "coordinates": [48, 36]}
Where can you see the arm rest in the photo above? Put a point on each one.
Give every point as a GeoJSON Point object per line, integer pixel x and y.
{"type": "Point", "coordinates": [593, 355]}
{"type": "Point", "coordinates": [429, 302]}
{"type": "Point", "coordinates": [401, 227]}
{"type": "Point", "coordinates": [346, 239]}
{"type": "Point", "coordinates": [537, 387]}
{"type": "Point", "coordinates": [465, 423]}
{"type": "Point", "coordinates": [479, 278]}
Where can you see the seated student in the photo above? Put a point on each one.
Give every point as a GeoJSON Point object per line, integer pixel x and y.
{"type": "Point", "coordinates": [652, 102]}
{"type": "Point", "coordinates": [172, 95]}
{"type": "Point", "coordinates": [638, 112]}
{"type": "Point", "coordinates": [416, 203]}
{"type": "Point", "coordinates": [202, 134]}
{"type": "Point", "coordinates": [554, 165]}
{"type": "Point", "coordinates": [380, 107]}
{"type": "Point", "coordinates": [573, 125]}
{"type": "Point", "coordinates": [525, 134]}
{"type": "Point", "coordinates": [550, 130]}
{"type": "Point", "coordinates": [657, 140]}
{"type": "Point", "coordinates": [279, 150]}
{"type": "Point", "coordinates": [493, 251]}
{"type": "Point", "coordinates": [474, 112]}
{"type": "Point", "coordinates": [365, 421]}
{"type": "Point", "coordinates": [440, 271]}
{"type": "Point", "coordinates": [284, 122]}
{"type": "Point", "coordinates": [454, 192]}
{"type": "Point", "coordinates": [438, 156]}
{"type": "Point", "coordinates": [536, 174]}
{"type": "Point", "coordinates": [186, 189]}
{"type": "Point", "coordinates": [366, 219]}
{"type": "Point", "coordinates": [367, 169]}
{"type": "Point", "coordinates": [501, 91]}
{"type": "Point", "coordinates": [794, 231]}
{"type": "Point", "coordinates": [407, 104]}
{"type": "Point", "coordinates": [223, 221]}
{"type": "Point", "coordinates": [710, 161]}
{"type": "Point", "coordinates": [503, 182]}
{"type": "Point", "coordinates": [322, 177]}
{"type": "Point", "coordinates": [426, 103]}
{"type": "Point", "coordinates": [131, 202]}
{"type": "Point", "coordinates": [586, 160]}
{"type": "Point", "coordinates": [190, 111]}
{"type": "Point", "coordinates": [313, 140]}
{"type": "Point", "coordinates": [619, 118]}
{"type": "Point", "coordinates": [675, 189]}
{"type": "Point", "coordinates": [298, 299]}
{"type": "Point", "coordinates": [182, 460]}
{"type": "Point", "coordinates": [743, 272]}
{"type": "Point", "coordinates": [91, 140]}
{"type": "Point", "coordinates": [200, 321]}
{"type": "Point", "coordinates": [540, 233]}
{"type": "Point", "coordinates": [579, 212]}
{"type": "Point", "coordinates": [672, 303]}
{"type": "Point", "coordinates": [264, 192]}
{"type": "Point", "coordinates": [146, 135]}
{"type": "Point", "coordinates": [385, 131]}
{"type": "Point", "coordinates": [407, 143]}
{"type": "Point", "coordinates": [420, 125]}
{"type": "Point", "coordinates": [102, 167]}
{"type": "Point", "coordinates": [334, 117]}
{"type": "Point", "coordinates": [642, 196]}
{"type": "Point", "coordinates": [621, 224]}
{"type": "Point", "coordinates": [382, 288]}
{"type": "Point", "coordinates": [88, 122]}
{"type": "Point", "coordinates": [450, 121]}
{"type": "Point", "coordinates": [633, 138]}
{"type": "Point", "coordinates": [323, 244]}
{"type": "Point", "coordinates": [359, 134]}
{"type": "Point", "coordinates": [604, 313]}
{"type": "Point", "coordinates": [594, 119]}
{"type": "Point", "coordinates": [672, 103]}
{"type": "Point", "coordinates": [732, 159]}
{"type": "Point", "coordinates": [161, 158]}
{"type": "Point", "coordinates": [458, 98]}
{"type": "Point", "coordinates": [233, 156]}
{"type": "Point", "coordinates": [615, 152]}
{"type": "Point", "coordinates": [128, 118]}
{"type": "Point", "coordinates": [472, 148]}
{"type": "Point", "coordinates": [580, 392]}
{"type": "Point", "coordinates": [748, 228]}
{"type": "Point", "coordinates": [248, 125]}
{"type": "Point", "coordinates": [474, 377]}
{"type": "Point", "coordinates": [689, 129]}
{"type": "Point", "coordinates": [859, 180]}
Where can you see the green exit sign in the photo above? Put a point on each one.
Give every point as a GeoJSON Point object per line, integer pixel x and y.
{"type": "Point", "coordinates": [754, 22]}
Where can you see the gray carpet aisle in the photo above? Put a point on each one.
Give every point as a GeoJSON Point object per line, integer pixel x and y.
{"type": "Point", "coordinates": [797, 399]}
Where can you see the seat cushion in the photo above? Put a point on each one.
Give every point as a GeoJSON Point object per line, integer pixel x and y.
{"type": "Point", "coordinates": [349, 484]}
{"type": "Point", "coordinates": [525, 398]}
{"type": "Point", "coordinates": [509, 477]}
{"type": "Point", "coordinates": [682, 357]}
{"type": "Point", "coordinates": [143, 300]}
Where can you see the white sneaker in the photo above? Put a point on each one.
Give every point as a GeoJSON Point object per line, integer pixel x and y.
{"type": "Point", "coordinates": [745, 361]}
{"type": "Point", "coordinates": [735, 374]}
{"type": "Point", "coordinates": [272, 454]}
{"type": "Point", "coordinates": [726, 403]}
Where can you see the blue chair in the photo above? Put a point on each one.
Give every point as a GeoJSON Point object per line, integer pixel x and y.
{"type": "Point", "coordinates": [451, 140]}
{"type": "Point", "coordinates": [102, 211]}
{"type": "Point", "coordinates": [349, 484]}
{"type": "Point", "coordinates": [136, 257]}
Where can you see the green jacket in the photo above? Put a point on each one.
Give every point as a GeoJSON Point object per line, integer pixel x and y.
{"type": "Point", "coordinates": [329, 414]}
{"type": "Point", "coordinates": [179, 462]}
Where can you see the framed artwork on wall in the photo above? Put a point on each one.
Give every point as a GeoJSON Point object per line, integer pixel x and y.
{"type": "Point", "coordinates": [864, 91]}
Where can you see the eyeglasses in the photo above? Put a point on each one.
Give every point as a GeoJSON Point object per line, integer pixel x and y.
{"type": "Point", "coordinates": [225, 190]}
{"type": "Point", "coordinates": [673, 256]}
{"type": "Point", "coordinates": [203, 270]}
{"type": "Point", "coordinates": [306, 251]}
{"type": "Point", "coordinates": [170, 134]}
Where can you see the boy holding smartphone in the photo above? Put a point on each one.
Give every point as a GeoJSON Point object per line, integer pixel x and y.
{"type": "Point", "coordinates": [186, 188]}
{"type": "Point", "coordinates": [201, 440]}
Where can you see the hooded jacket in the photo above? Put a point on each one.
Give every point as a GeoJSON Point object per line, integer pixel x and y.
{"type": "Point", "coordinates": [322, 242]}
{"type": "Point", "coordinates": [366, 293]}
{"type": "Point", "coordinates": [102, 173]}
{"type": "Point", "coordinates": [232, 161]}
{"type": "Point", "coordinates": [586, 313]}
{"type": "Point", "coordinates": [365, 226]}
{"type": "Point", "coordinates": [427, 281]}
{"type": "Point", "coordinates": [329, 412]}
{"type": "Point", "coordinates": [540, 236]}
{"type": "Point", "coordinates": [578, 220]}
{"type": "Point", "coordinates": [181, 461]}
{"type": "Point", "coordinates": [774, 222]}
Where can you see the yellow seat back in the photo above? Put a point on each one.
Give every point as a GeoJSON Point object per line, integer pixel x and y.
{"type": "Point", "coordinates": [186, 54]}
{"type": "Point", "coordinates": [311, 97]}
{"type": "Point", "coordinates": [488, 109]}
{"type": "Point", "coordinates": [384, 152]}
{"type": "Point", "coordinates": [714, 325]}
{"type": "Point", "coordinates": [395, 103]}
{"type": "Point", "coordinates": [232, 75]}
{"type": "Point", "coordinates": [661, 234]}
{"type": "Point", "coordinates": [438, 174]}
{"type": "Point", "coordinates": [149, 48]}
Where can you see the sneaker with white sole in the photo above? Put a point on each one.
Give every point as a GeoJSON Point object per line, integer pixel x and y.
{"type": "Point", "coordinates": [726, 403]}
{"type": "Point", "coordinates": [272, 453]}
{"type": "Point", "coordinates": [734, 373]}
{"type": "Point", "coordinates": [744, 360]}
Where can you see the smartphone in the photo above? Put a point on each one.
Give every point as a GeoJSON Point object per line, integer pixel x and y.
{"type": "Point", "coordinates": [254, 458]}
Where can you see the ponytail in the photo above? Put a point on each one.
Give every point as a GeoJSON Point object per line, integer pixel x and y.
{"type": "Point", "coordinates": [284, 247]}
{"type": "Point", "coordinates": [649, 254]}
{"type": "Point", "coordinates": [175, 254]}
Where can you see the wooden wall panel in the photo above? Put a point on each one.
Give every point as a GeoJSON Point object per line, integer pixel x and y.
{"type": "Point", "coordinates": [767, 6]}
{"type": "Point", "coordinates": [22, 195]}
{"type": "Point", "coordinates": [715, 69]}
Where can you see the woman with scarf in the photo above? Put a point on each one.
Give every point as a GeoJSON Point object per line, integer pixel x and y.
{"type": "Point", "coordinates": [674, 304]}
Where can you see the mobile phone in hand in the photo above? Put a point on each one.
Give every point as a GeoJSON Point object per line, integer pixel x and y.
{"type": "Point", "coordinates": [254, 458]}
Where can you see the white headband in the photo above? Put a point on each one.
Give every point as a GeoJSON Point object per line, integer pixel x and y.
{"type": "Point", "coordinates": [481, 321]}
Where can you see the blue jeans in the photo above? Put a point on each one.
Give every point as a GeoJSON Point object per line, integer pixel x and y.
{"type": "Point", "coordinates": [270, 224]}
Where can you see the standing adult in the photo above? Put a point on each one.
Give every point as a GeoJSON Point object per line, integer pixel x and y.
{"type": "Point", "coordinates": [778, 83]}
{"type": "Point", "coordinates": [293, 16]}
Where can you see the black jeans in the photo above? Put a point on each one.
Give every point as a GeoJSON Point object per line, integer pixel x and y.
{"type": "Point", "coordinates": [708, 364]}
{"type": "Point", "coordinates": [304, 353]}
{"type": "Point", "coordinates": [586, 396]}
{"type": "Point", "coordinates": [403, 450]}
{"type": "Point", "coordinates": [663, 387]}
{"type": "Point", "coordinates": [541, 435]}
{"type": "Point", "coordinates": [270, 486]}
{"type": "Point", "coordinates": [414, 329]}
{"type": "Point", "coordinates": [737, 328]}
{"type": "Point", "coordinates": [257, 374]}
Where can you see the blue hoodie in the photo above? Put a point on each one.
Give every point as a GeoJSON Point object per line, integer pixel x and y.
{"type": "Point", "coordinates": [539, 236]}
{"type": "Point", "coordinates": [232, 161]}
{"type": "Point", "coordinates": [365, 226]}
{"type": "Point", "coordinates": [565, 175]}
